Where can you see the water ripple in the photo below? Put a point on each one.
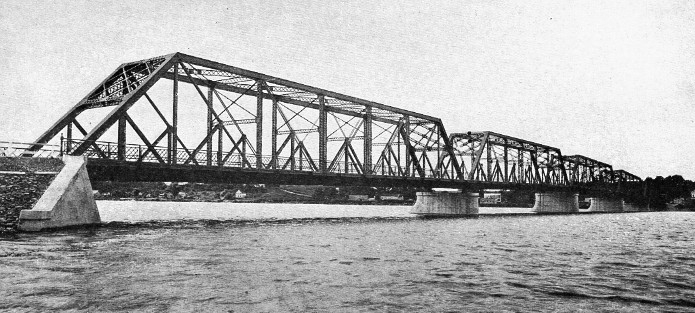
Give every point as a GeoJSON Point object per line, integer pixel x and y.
{"type": "Point", "coordinates": [596, 263]}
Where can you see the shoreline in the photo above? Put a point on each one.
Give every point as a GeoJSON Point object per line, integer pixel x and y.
{"type": "Point", "coordinates": [336, 202]}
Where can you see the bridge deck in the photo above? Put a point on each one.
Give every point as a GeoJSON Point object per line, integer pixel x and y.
{"type": "Point", "coordinates": [114, 170]}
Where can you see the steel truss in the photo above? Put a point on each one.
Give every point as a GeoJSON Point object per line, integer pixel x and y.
{"type": "Point", "coordinates": [240, 119]}
{"type": "Point", "coordinates": [583, 170]}
{"type": "Point", "coordinates": [492, 157]}
{"type": "Point", "coordinates": [621, 176]}
{"type": "Point", "coordinates": [310, 129]}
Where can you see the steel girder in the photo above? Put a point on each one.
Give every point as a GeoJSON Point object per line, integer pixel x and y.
{"type": "Point", "coordinates": [310, 129]}
{"type": "Point", "coordinates": [492, 157]}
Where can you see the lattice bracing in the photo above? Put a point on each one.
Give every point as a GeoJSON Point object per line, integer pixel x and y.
{"type": "Point", "coordinates": [121, 82]}
{"type": "Point", "coordinates": [583, 170]}
{"type": "Point", "coordinates": [248, 120]}
{"type": "Point", "coordinates": [179, 111]}
{"type": "Point", "coordinates": [492, 157]}
{"type": "Point", "coordinates": [625, 177]}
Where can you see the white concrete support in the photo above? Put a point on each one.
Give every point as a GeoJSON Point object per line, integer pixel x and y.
{"type": "Point", "coordinates": [606, 205]}
{"type": "Point", "coordinates": [445, 204]}
{"type": "Point", "coordinates": [68, 201]}
{"type": "Point", "coordinates": [556, 202]}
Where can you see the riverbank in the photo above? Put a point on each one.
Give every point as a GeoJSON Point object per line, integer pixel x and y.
{"type": "Point", "coordinates": [19, 192]}
{"type": "Point", "coordinates": [240, 201]}
{"type": "Point", "coordinates": [30, 165]}
{"type": "Point", "coordinates": [22, 182]}
{"type": "Point", "coordinates": [250, 193]}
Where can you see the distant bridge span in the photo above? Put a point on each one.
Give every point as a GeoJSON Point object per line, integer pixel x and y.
{"type": "Point", "coordinates": [182, 118]}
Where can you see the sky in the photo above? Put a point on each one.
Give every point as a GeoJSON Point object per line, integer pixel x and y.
{"type": "Point", "coordinates": [611, 80]}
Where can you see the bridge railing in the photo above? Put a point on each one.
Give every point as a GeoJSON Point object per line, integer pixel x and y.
{"type": "Point", "coordinates": [21, 149]}
{"type": "Point", "coordinates": [159, 154]}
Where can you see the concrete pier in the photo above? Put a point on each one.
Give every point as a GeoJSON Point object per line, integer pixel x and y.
{"type": "Point", "coordinates": [68, 201]}
{"type": "Point", "coordinates": [606, 205]}
{"type": "Point", "coordinates": [445, 204]}
{"type": "Point", "coordinates": [629, 207]}
{"type": "Point", "coordinates": [556, 202]}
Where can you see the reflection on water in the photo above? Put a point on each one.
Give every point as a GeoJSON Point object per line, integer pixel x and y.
{"type": "Point", "coordinates": [384, 261]}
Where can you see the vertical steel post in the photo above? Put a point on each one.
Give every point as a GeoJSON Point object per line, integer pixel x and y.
{"type": "Point", "coordinates": [301, 156]}
{"type": "Point", "coordinates": [259, 125]}
{"type": "Point", "coordinates": [68, 141]}
{"type": "Point", "coordinates": [174, 117]}
{"type": "Point", "coordinates": [489, 160]}
{"type": "Point", "coordinates": [347, 167]}
{"type": "Point", "coordinates": [438, 169]}
{"type": "Point", "coordinates": [398, 148]}
{"type": "Point", "coordinates": [520, 166]}
{"type": "Point", "coordinates": [406, 139]}
{"type": "Point", "coordinates": [323, 140]}
{"type": "Point", "coordinates": [69, 135]}
{"type": "Point", "coordinates": [211, 90]}
{"type": "Point", "coordinates": [120, 150]}
{"type": "Point", "coordinates": [219, 145]}
{"type": "Point", "coordinates": [474, 167]}
{"type": "Point", "coordinates": [243, 149]}
{"type": "Point", "coordinates": [506, 162]}
{"type": "Point", "coordinates": [274, 134]}
{"type": "Point", "coordinates": [292, 147]}
{"type": "Point", "coordinates": [367, 170]}
{"type": "Point", "coordinates": [548, 169]}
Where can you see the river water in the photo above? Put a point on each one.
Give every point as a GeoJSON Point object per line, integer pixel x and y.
{"type": "Point", "coordinates": [317, 258]}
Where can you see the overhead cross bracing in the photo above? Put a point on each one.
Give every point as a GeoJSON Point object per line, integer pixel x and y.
{"type": "Point", "coordinates": [179, 117]}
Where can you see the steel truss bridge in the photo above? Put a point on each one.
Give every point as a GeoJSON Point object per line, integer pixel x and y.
{"type": "Point", "coordinates": [182, 118]}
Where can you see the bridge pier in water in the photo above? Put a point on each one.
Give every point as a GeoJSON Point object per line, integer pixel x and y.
{"type": "Point", "coordinates": [606, 205]}
{"type": "Point", "coordinates": [445, 204]}
{"type": "Point", "coordinates": [556, 202]}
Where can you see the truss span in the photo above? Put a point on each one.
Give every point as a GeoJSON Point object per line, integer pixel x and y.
{"type": "Point", "coordinates": [183, 114]}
